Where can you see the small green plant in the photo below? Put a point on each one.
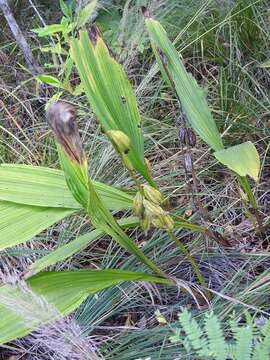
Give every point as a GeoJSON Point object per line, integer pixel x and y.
{"type": "Point", "coordinates": [206, 339]}
{"type": "Point", "coordinates": [242, 159]}
{"type": "Point", "coordinates": [74, 19]}
{"type": "Point", "coordinates": [32, 198]}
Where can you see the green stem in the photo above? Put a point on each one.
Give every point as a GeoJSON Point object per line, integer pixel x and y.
{"type": "Point", "coordinates": [190, 258]}
{"type": "Point", "coordinates": [247, 189]}
{"type": "Point", "coordinates": [245, 185]}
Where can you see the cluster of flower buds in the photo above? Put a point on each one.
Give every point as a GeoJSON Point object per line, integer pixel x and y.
{"type": "Point", "coordinates": [147, 206]}
{"type": "Point", "coordinates": [187, 137]}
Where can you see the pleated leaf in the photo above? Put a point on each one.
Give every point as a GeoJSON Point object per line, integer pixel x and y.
{"type": "Point", "coordinates": [242, 159]}
{"type": "Point", "coordinates": [19, 223]}
{"type": "Point", "coordinates": [109, 93]}
{"type": "Point", "coordinates": [64, 291]}
{"type": "Point", "coordinates": [41, 186]}
{"type": "Point", "coordinates": [190, 94]}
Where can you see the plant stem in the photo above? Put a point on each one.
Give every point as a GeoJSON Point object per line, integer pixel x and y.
{"type": "Point", "coordinates": [190, 258]}
{"type": "Point", "coordinates": [245, 185]}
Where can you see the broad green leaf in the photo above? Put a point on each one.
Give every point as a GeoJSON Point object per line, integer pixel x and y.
{"type": "Point", "coordinates": [84, 14]}
{"type": "Point", "coordinates": [50, 80]}
{"type": "Point", "coordinates": [242, 159]}
{"type": "Point", "coordinates": [19, 223]}
{"type": "Point", "coordinates": [66, 9]}
{"type": "Point", "coordinates": [40, 186]}
{"type": "Point", "coordinates": [64, 291]}
{"type": "Point", "coordinates": [110, 94]}
{"type": "Point", "coordinates": [74, 246]}
{"type": "Point", "coordinates": [191, 96]}
{"type": "Point", "coordinates": [50, 29]}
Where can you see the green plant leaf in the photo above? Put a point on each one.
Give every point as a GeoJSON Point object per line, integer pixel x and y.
{"type": "Point", "coordinates": [41, 186]}
{"type": "Point", "coordinates": [19, 223]}
{"type": "Point", "coordinates": [64, 290]}
{"type": "Point", "coordinates": [50, 29]}
{"type": "Point", "coordinates": [84, 191]}
{"type": "Point", "coordinates": [78, 244]}
{"type": "Point", "coordinates": [74, 246]}
{"type": "Point", "coordinates": [242, 159]}
{"type": "Point", "coordinates": [50, 80]}
{"type": "Point", "coordinates": [84, 14]}
{"type": "Point", "coordinates": [66, 9]}
{"type": "Point", "coordinates": [110, 94]}
{"type": "Point", "coordinates": [191, 96]}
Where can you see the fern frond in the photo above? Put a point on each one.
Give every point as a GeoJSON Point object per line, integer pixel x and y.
{"type": "Point", "coordinates": [266, 328]}
{"type": "Point", "coordinates": [260, 352]}
{"type": "Point", "coordinates": [194, 333]}
{"type": "Point", "coordinates": [243, 336]}
{"type": "Point", "coordinates": [216, 341]}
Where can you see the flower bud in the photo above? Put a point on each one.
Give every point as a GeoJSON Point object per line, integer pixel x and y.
{"type": "Point", "coordinates": [182, 135]}
{"type": "Point", "coordinates": [61, 118]}
{"type": "Point", "coordinates": [145, 223]}
{"type": "Point", "coordinates": [191, 137]}
{"type": "Point", "coordinates": [151, 209]}
{"type": "Point", "coordinates": [188, 162]}
{"type": "Point", "coordinates": [168, 223]}
{"type": "Point", "coordinates": [138, 207]}
{"type": "Point", "coordinates": [120, 141]}
{"type": "Point", "coordinates": [152, 194]}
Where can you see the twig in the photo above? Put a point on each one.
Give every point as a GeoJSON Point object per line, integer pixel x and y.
{"type": "Point", "coordinates": [19, 37]}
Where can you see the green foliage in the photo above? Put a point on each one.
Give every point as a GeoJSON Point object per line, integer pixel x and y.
{"type": "Point", "coordinates": [110, 94]}
{"type": "Point", "coordinates": [242, 159]}
{"type": "Point", "coordinates": [216, 341]}
{"type": "Point", "coordinates": [53, 293]}
{"type": "Point", "coordinates": [192, 98]}
{"type": "Point", "coordinates": [41, 186]}
{"type": "Point", "coordinates": [74, 246]}
{"type": "Point", "coordinates": [19, 223]}
{"type": "Point", "coordinates": [247, 341]}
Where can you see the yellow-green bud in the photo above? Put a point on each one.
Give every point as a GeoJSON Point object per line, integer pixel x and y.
{"type": "Point", "coordinates": [168, 223]}
{"type": "Point", "coordinates": [151, 209]}
{"type": "Point", "coordinates": [138, 205]}
{"type": "Point", "coordinates": [157, 222]}
{"type": "Point", "coordinates": [152, 194]}
{"type": "Point", "coordinates": [120, 141]}
{"type": "Point", "coordinates": [163, 222]}
{"type": "Point", "coordinates": [145, 223]}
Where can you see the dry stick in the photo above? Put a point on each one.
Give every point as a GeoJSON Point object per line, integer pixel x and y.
{"type": "Point", "coordinates": [19, 37]}
{"type": "Point", "coordinates": [187, 140]}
